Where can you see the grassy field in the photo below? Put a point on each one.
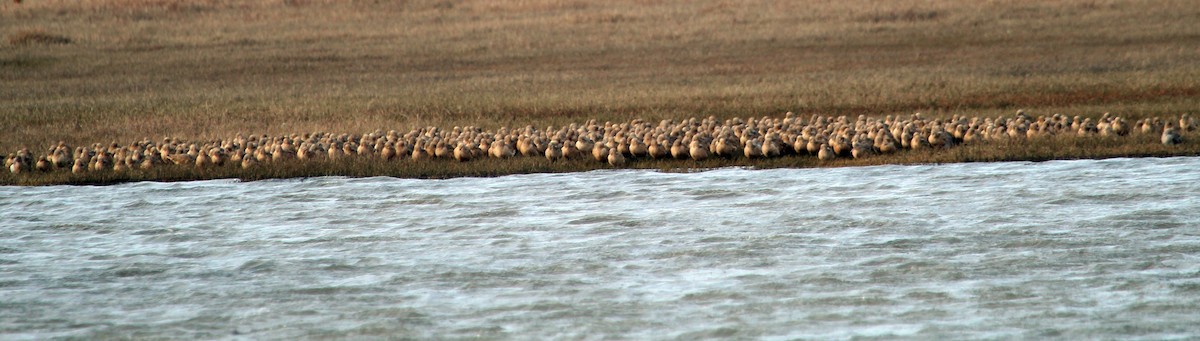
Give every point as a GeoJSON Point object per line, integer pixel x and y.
{"type": "Point", "coordinates": [85, 71]}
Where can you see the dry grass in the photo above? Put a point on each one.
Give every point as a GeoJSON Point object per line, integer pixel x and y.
{"type": "Point", "coordinates": [28, 37]}
{"type": "Point", "coordinates": [211, 69]}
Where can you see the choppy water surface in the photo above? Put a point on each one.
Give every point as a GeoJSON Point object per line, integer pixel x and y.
{"type": "Point", "coordinates": [1063, 249]}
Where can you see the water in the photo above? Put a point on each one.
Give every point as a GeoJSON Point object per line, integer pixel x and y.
{"type": "Point", "coordinates": [1104, 249]}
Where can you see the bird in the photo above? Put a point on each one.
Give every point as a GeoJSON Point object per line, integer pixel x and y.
{"type": "Point", "coordinates": [80, 166]}
{"type": "Point", "coordinates": [1170, 135]}
{"type": "Point", "coordinates": [617, 143]}
{"type": "Point", "coordinates": [462, 152]}
{"type": "Point", "coordinates": [16, 166]}
{"type": "Point", "coordinates": [826, 153]}
{"type": "Point", "coordinates": [569, 151]}
{"type": "Point", "coordinates": [553, 151]}
{"type": "Point", "coordinates": [389, 152]}
{"type": "Point", "coordinates": [752, 149]}
{"type": "Point", "coordinates": [249, 162]}
{"type": "Point", "coordinates": [698, 151]}
{"type": "Point", "coordinates": [420, 153]}
{"type": "Point", "coordinates": [599, 152]}
{"type": "Point", "coordinates": [615, 158]}
{"type": "Point", "coordinates": [678, 150]}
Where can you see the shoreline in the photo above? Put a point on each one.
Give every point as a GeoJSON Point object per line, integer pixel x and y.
{"type": "Point", "coordinates": [1040, 144]}
{"type": "Point", "coordinates": [186, 175]}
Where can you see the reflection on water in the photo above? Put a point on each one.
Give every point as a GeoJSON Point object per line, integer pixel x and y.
{"type": "Point", "coordinates": [1075, 249]}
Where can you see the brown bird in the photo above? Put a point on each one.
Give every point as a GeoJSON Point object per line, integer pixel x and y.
{"type": "Point", "coordinates": [615, 158]}
{"type": "Point", "coordinates": [826, 153]}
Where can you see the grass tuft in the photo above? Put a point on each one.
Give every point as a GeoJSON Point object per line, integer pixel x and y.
{"type": "Point", "coordinates": [37, 37]}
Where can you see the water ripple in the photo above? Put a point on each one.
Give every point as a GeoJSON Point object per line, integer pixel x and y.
{"type": "Point", "coordinates": [1062, 249]}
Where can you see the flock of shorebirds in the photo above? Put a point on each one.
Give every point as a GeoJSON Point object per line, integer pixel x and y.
{"type": "Point", "coordinates": [696, 139]}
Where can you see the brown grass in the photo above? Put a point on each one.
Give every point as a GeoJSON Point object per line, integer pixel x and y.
{"type": "Point", "coordinates": [211, 69]}
{"type": "Point", "coordinates": [29, 37]}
